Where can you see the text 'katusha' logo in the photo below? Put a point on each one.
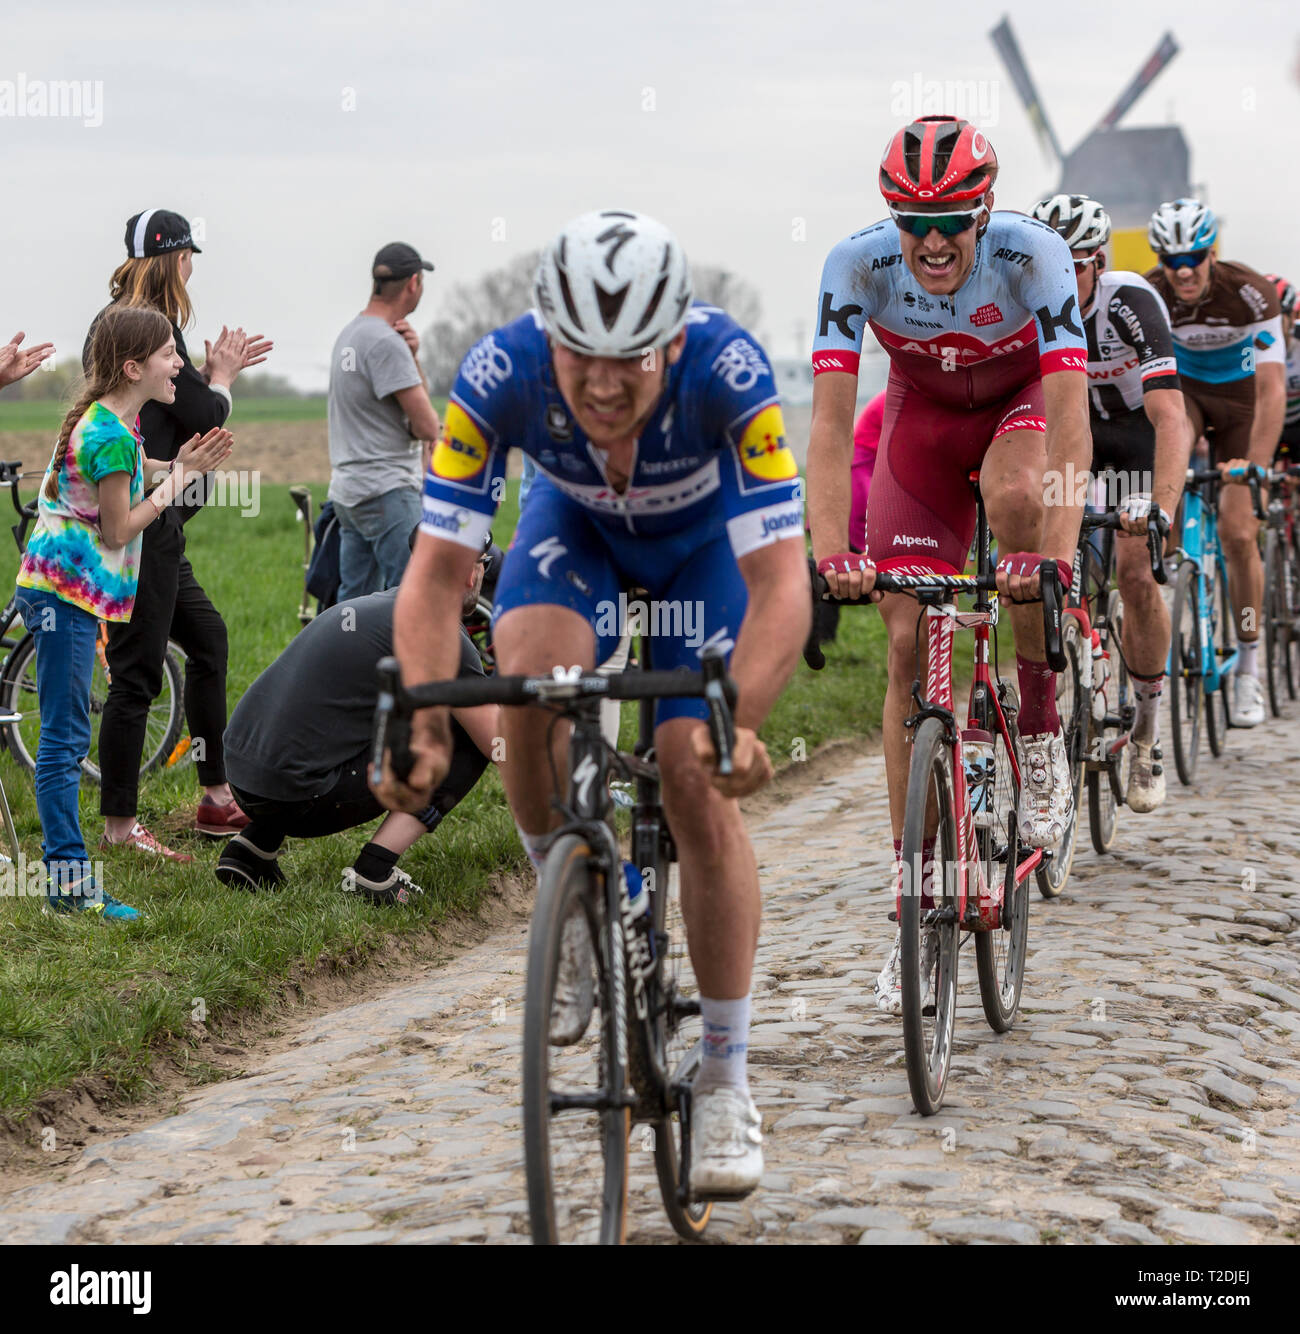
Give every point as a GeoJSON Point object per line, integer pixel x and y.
{"type": "Point", "coordinates": [989, 314]}
{"type": "Point", "coordinates": [763, 450]}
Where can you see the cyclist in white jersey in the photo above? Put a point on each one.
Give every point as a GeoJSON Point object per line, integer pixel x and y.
{"type": "Point", "coordinates": [1140, 432]}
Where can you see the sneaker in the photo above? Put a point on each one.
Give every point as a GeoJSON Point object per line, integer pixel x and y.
{"type": "Point", "coordinates": [1247, 701]}
{"type": "Point", "coordinates": [889, 985]}
{"type": "Point", "coordinates": [105, 906]}
{"type": "Point", "coordinates": [396, 887]}
{"type": "Point", "coordinates": [575, 983]}
{"type": "Point", "coordinates": [243, 865]}
{"type": "Point", "coordinates": [1146, 784]}
{"type": "Point", "coordinates": [1046, 795]}
{"type": "Point", "coordinates": [726, 1144]}
{"type": "Point", "coordinates": [219, 819]}
{"type": "Point", "coordinates": [143, 841]}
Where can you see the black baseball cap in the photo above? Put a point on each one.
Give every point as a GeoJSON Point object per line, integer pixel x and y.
{"type": "Point", "coordinates": [398, 260]}
{"type": "Point", "coordinates": [157, 231]}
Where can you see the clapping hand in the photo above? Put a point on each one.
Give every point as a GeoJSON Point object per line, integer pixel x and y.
{"type": "Point", "coordinates": [17, 361]}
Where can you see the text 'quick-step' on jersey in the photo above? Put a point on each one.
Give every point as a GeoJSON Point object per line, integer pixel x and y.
{"type": "Point", "coordinates": [712, 458]}
{"type": "Point", "coordinates": [1130, 347]}
{"type": "Point", "coordinates": [1015, 318]}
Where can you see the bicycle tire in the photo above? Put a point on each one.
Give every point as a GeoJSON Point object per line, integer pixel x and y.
{"type": "Point", "coordinates": [554, 1162]}
{"type": "Point", "coordinates": [1108, 788]}
{"type": "Point", "coordinates": [666, 1050]}
{"type": "Point", "coordinates": [1291, 614]}
{"type": "Point", "coordinates": [1186, 688]}
{"type": "Point", "coordinates": [1053, 873]}
{"type": "Point", "coordinates": [928, 1048]}
{"type": "Point", "coordinates": [1277, 638]}
{"type": "Point", "coordinates": [1000, 954]}
{"type": "Point", "coordinates": [1218, 715]}
{"type": "Point", "coordinates": [163, 727]}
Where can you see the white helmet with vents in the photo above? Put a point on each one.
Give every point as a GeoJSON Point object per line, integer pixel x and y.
{"type": "Point", "coordinates": [612, 284]}
{"type": "Point", "coordinates": [1081, 222]}
{"type": "Point", "coordinates": [1182, 227]}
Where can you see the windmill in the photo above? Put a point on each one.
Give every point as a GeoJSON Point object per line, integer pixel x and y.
{"type": "Point", "coordinates": [1130, 171]}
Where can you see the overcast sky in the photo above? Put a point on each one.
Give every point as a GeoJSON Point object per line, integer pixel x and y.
{"type": "Point", "coordinates": [304, 136]}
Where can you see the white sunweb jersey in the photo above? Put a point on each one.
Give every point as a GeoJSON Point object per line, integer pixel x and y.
{"type": "Point", "coordinates": [1130, 346]}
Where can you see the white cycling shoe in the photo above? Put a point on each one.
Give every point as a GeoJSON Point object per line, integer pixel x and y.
{"type": "Point", "coordinates": [1247, 701]}
{"type": "Point", "coordinates": [575, 983]}
{"type": "Point", "coordinates": [889, 983]}
{"type": "Point", "coordinates": [726, 1144]}
{"type": "Point", "coordinates": [1046, 794]}
{"type": "Point", "coordinates": [1146, 783]}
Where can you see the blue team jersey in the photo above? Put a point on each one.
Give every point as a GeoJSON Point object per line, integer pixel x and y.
{"type": "Point", "coordinates": [712, 457]}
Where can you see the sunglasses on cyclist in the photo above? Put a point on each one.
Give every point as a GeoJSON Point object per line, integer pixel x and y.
{"type": "Point", "coordinates": [1082, 264]}
{"type": "Point", "coordinates": [1192, 260]}
{"type": "Point", "coordinates": [947, 224]}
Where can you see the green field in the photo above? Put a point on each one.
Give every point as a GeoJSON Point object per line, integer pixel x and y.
{"type": "Point", "coordinates": [81, 998]}
{"type": "Point", "coordinates": [47, 415]}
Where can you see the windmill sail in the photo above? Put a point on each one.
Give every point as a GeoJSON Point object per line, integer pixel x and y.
{"type": "Point", "coordinates": [1009, 49]}
{"type": "Point", "coordinates": [1165, 51]}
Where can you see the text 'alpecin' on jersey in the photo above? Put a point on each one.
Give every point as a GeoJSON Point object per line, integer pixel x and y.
{"type": "Point", "coordinates": [1016, 316]}
{"type": "Point", "coordinates": [1130, 346]}
{"type": "Point", "coordinates": [713, 454]}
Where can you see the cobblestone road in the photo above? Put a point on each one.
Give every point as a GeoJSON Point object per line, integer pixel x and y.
{"type": "Point", "coordinates": [1149, 1093]}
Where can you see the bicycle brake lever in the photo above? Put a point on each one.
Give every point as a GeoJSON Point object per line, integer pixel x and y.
{"type": "Point", "coordinates": [1156, 547]}
{"type": "Point", "coordinates": [720, 696]}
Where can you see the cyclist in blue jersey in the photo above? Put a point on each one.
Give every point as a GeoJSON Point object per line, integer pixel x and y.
{"type": "Point", "coordinates": [661, 462]}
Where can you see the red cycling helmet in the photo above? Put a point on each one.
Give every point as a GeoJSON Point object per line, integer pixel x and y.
{"type": "Point", "coordinates": [937, 159]}
{"type": "Point", "coordinates": [1285, 293]}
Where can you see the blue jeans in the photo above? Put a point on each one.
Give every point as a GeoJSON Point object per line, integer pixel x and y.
{"type": "Point", "coordinates": [375, 541]}
{"type": "Point", "coordinates": [65, 664]}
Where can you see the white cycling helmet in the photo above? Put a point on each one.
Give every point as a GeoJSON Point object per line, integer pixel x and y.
{"type": "Point", "coordinates": [612, 284]}
{"type": "Point", "coordinates": [1081, 222]}
{"type": "Point", "coordinates": [1181, 227]}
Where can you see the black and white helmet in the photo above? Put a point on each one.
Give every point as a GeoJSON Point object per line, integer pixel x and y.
{"type": "Point", "coordinates": [612, 284]}
{"type": "Point", "coordinates": [1181, 227]}
{"type": "Point", "coordinates": [1081, 222]}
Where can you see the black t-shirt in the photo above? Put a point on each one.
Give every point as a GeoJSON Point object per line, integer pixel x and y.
{"type": "Point", "coordinates": [310, 713]}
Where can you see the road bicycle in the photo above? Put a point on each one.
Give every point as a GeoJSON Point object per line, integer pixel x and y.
{"type": "Point", "coordinates": [964, 872]}
{"type": "Point", "coordinates": [637, 1060]}
{"type": "Point", "coordinates": [1094, 695]}
{"type": "Point", "coordinates": [1203, 649]}
{"type": "Point", "coordinates": [1281, 603]}
{"type": "Point", "coordinates": [20, 725]}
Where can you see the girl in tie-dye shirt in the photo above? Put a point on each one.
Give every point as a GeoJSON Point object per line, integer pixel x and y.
{"type": "Point", "coordinates": [80, 567]}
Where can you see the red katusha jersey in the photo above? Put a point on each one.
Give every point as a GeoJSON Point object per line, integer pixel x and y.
{"type": "Point", "coordinates": [1014, 319]}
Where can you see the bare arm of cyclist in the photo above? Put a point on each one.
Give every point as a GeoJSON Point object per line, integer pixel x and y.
{"type": "Point", "coordinates": [830, 462]}
{"type": "Point", "coordinates": [1270, 409]}
{"type": "Point", "coordinates": [1069, 454]}
{"type": "Point", "coordinates": [1167, 412]}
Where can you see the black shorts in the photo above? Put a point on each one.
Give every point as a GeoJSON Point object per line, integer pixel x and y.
{"type": "Point", "coordinates": [1288, 445]}
{"type": "Point", "coordinates": [1125, 444]}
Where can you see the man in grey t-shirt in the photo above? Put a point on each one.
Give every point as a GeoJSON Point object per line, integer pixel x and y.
{"type": "Point", "coordinates": [379, 413]}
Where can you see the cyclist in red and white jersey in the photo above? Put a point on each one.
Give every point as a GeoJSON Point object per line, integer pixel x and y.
{"type": "Point", "coordinates": [1139, 431]}
{"type": "Point", "coordinates": [978, 312]}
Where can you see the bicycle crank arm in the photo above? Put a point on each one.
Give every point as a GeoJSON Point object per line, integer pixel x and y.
{"type": "Point", "coordinates": [591, 1102]}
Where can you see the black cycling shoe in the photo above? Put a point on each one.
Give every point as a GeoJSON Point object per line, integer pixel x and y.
{"type": "Point", "coordinates": [243, 865]}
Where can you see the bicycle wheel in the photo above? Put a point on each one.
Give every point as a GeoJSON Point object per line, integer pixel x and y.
{"type": "Point", "coordinates": [1277, 629]}
{"type": "Point", "coordinates": [1290, 611]}
{"type": "Point", "coordinates": [929, 937]}
{"type": "Point", "coordinates": [575, 1156]}
{"type": "Point", "coordinates": [1186, 689]}
{"type": "Point", "coordinates": [163, 724]}
{"type": "Point", "coordinates": [1224, 638]}
{"type": "Point", "coordinates": [1000, 954]}
{"type": "Point", "coordinates": [1054, 871]}
{"type": "Point", "coordinates": [677, 1033]}
{"type": "Point", "coordinates": [1108, 788]}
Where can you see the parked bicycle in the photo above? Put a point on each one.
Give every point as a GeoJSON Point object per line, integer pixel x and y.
{"type": "Point", "coordinates": [963, 794]}
{"type": "Point", "coordinates": [164, 744]}
{"type": "Point", "coordinates": [639, 1058]}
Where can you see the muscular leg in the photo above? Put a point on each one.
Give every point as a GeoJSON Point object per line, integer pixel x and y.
{"type": "Point", "coordinates": [900, 616]}
{"type": "Point", "coordinates": [1011, 482]}
{"type": "Point", "coordinates": [719, 876]}
{"type": "Point", "coordinates": [1146, 618]}
{"type": "Point", "coordinates": [529, 641]}
{"type": "Point", "coordinates": [1239, 533]}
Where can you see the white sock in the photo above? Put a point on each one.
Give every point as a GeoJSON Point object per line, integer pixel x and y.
{"type": "Point", "coordinates": [726, 1045]}
{"type": "Point", "coordinates": [1246, 665]}
{"type": "Point", "coordinates": [530, 842]}
{"type": "Point", "coordinates": [1146, 726]}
